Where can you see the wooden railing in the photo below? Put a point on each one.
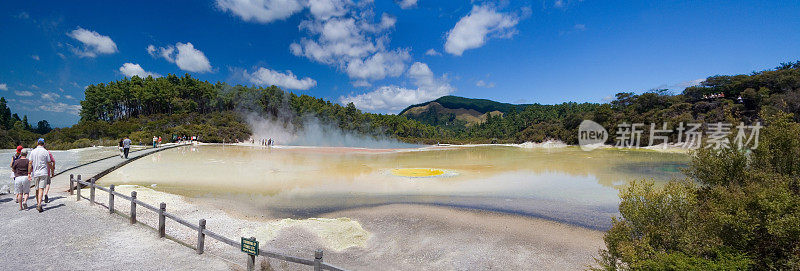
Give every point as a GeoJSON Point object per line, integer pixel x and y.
{"type": "Point", "coordinates": [75, 189]}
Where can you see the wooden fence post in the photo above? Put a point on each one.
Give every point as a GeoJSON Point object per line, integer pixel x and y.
{"type": "Point", "coordinates": [78, 187]}
{"type": "Point", "coordinates": [162, 220]}
{"type": "Point", "coordinates": [133, 207]}
{"type": "Point", "coordinates": [318, 260]}
{"type": "Point", "coordinates": [71, 183]}
{"type": "Point", "coordinates": [91, 191]}
{"type": "Point", "coordinates": [201, 237]}
{"type": "Point", "coordinates": [111, 199]}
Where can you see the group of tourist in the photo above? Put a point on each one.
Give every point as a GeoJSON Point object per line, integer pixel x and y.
{"type": "Point", "coordinates": [37, 166]}
{"type": "Point", "coordinates": [263, 142]}
{"type": "Point", "coordinates": [124, 147]}
{"type": "Point", "coordinates": [183, 138]}
{"type": "Point", "coordinates": [156, 141]}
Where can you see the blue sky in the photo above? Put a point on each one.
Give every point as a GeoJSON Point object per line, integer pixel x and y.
{"type": "Point", "coordinates": [385, 55]}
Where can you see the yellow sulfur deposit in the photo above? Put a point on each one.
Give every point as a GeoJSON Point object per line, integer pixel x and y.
{"type": "Point", "coordinates": [417, 172]}
{"type": "Point", "coordinates": [337, 233]}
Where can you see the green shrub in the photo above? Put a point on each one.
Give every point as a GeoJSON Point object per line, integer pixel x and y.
{"type": "Point", "coordinates": [736, 211]}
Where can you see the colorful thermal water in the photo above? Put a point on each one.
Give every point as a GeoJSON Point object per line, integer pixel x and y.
{"type": "Point", "coordinates": [563, 184]}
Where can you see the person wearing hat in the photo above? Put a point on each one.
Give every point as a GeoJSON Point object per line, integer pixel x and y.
{"type": "Point", "coordinates": [22, 183]}
{"type": "Point", "coordinates": [16, 155]}
{"type": "Point", "coordinates": [39, 170]}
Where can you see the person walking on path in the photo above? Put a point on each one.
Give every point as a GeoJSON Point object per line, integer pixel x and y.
{"type": "Point", "coordinates": [126, 146]}
{"type": "Point", "coordinates": [39, 170]}
{"type": "Point", "coordinates": [16, 155]}
{"type": "Point", "coordinates": [121, 153]}
{"type": "Point", "coordinates": [9, 188]}
{"type": "Point", "coordinates": [52, 173]}
{"type": "Point", "coordinates": [22, 183]}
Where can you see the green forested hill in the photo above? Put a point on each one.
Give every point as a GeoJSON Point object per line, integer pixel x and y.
{"type": "Point", "coordinates": [480, 105]}
{"type": "Point", "coordinates": [456, 113]}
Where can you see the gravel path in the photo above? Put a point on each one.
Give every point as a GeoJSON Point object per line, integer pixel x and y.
{"type": "Point", "coordinates": [72, 235]}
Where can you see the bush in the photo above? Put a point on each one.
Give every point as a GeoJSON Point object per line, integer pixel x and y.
{"type": "Point", "coordinates": [742, 213]}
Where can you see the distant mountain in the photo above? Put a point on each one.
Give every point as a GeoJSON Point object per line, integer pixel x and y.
{"type": "Point", "coordinates": [454, 111]}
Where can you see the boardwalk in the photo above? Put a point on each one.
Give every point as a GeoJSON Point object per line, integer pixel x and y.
{"type": "Point", "coordinates": [101, 167]}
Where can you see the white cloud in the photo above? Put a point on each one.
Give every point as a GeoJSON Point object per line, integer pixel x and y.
{"type": "Point", "coordinates": [3, 86]}
{"type": "Point", "coordinates": [262, 11]}
{"type": "Point", "coordinates": [354, 45]}
{"type": "Point", "coordinates": [93, 43]}
{"type": "Point", "coordinates": [580, 27]}
{"type": "Point", "coordinates": [406, 4]}
{"type": "Point", "coordinates": [379, 66]}
{"type": "Point", "coordinates": [559, 4]}
{"type": "Point", "coordinates": [23, 93]}
{"type": "Point", "coordinates": [187, 57]}
{"type": "Point", "coordinates": [681, 85]}
{"type": "Point", "coordinates": [151, 50]}
{"type": "Point", "coordinates": [337, 40]}
{"type": "Point", "coordinates": [432, 52]}
{"type": "Point", "coordinates": [23, 15]}
{"type": "Point", "coordinates": [191, 59]}
{"type": "Point", "coordinates": [264, 76]}
{"type": "Point", "coordinates": [35, 57]}
{"type": "Point", "coordinates": [58, 107]}
{"type": "Point", "coordinates": [473, 30]}
{"type": "Point", "coordinates": [50, 96]}
{"type": "Point", "coordinates": [483, 84]}
{"type": "Point", "coordinates": [341, 33]}
{"type": "Point", "coordinates": [325, 9]}
{"type": "Point", "coordinates": [361, 83]}
{"type": "Point", "coordinates": [691, 83]}
{"type": "Point", "coordinates": [395, 98]}
{"type": "Point", "coordinates": [131, 69]}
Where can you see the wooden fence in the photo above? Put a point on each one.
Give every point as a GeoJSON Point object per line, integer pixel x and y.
{"type": "Point", "coordinates": [200, 227]}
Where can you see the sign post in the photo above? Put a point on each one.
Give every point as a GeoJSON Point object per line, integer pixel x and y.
{"type": "Point", "coordinates": [250, 246]}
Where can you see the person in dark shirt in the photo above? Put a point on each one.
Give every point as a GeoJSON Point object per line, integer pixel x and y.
{"type": "Point", "coordinates": [22, 183]}
{"type": "Point", "coordinates": [13, 158]}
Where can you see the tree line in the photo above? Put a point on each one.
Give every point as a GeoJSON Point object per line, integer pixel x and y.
{"type": "Point", "coordinates": [737, 98]}
{"type": "Point", "coordinates": [141, 108]}
{"type": "Point", "coordinates": [185, 105]}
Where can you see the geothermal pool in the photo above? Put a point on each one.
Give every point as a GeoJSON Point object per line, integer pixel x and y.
{"type": "Point", "coordinates": [563, 184]}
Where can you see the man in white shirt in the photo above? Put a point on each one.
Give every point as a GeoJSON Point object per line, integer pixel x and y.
{"type": "Point", "coordinates": [39, 169]}
{"type": "Point", "coordinates": [126, 146]}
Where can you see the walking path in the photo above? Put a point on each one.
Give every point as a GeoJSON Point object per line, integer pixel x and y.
{"type": "Point", "coordinates": [101, 167]}
{"type": "Point", "coordinates": [72, 235]}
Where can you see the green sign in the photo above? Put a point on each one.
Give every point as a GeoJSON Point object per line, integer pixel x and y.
{"type": "Point", "coordinates": [250, 246]}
